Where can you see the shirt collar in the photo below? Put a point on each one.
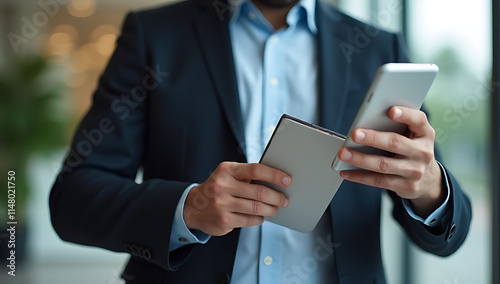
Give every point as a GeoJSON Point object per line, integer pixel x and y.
{"type": "Point", "coordinates": [309, 6]}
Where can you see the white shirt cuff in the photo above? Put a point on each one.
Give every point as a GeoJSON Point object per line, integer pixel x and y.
{"type": "Point", "coordinates": [433, 219]}
{"type": "Point", "coordinates": [181, 235]}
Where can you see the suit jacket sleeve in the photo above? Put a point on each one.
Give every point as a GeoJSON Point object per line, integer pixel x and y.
{"type": "Point", "coordinates": [95, 200]}
{"type": "Point", "coordinates": [446, 238]}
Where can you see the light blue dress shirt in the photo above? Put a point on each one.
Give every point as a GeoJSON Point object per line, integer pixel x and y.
{"type": "Point", "coordinates": [276, 73]}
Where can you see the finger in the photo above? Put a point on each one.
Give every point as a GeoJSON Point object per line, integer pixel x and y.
{"type": "Point", "coordinates": [244, 220]}
{"type": "Point", "coordinates": [390, 182]}
{"type": "Point", "coordinates": [376, 163]}
{"type": "Point", "coordinates": [415, 119]}
{"type": "Point", "coordinates": [253, 207]}
{"type": "Point", "coordinates": [261, 193]}
{"type": "Point", "coordinates": [387, 141]}
{"type": "Point", "coordinates": [399, 185]}
{"type": "Point", "coordinates": [259, 172]}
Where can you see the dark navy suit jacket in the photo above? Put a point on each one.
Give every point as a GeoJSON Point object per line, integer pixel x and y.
{"type": "Point", "coordinates": [168, 103]}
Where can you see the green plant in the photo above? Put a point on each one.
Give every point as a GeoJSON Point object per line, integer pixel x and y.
{"type": "Point", "coordinates": [32, 121]}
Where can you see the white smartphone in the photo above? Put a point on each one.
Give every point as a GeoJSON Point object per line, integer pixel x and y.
{"type": "Point", "coordinates": [395, 84]}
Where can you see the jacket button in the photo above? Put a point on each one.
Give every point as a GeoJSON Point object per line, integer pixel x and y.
{"type": "Point", "coordinates": [450, 233]}
{"type": "Point", "coordinates": [222, 278]}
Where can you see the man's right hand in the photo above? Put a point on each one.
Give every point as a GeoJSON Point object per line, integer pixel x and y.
{"type": "Point", "coordinates": [227, 199]}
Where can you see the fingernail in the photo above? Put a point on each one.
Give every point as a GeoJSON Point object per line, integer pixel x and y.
{"type": "Point", "coordinates": [360, 135]}
{"type": "Point", "coordinates": [286, 203]}
{"type": "Point", "coordinates": [286, 181]}
{"type": "Point", "coordinates": [346, 154]}
{"type": "Point", "coordinates": [344, 174]}
{"type": "Point", "coordinates": [397, 112]}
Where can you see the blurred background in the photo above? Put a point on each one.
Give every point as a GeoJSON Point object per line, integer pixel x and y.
{"type": "Point", "coordinates": [51, 56]}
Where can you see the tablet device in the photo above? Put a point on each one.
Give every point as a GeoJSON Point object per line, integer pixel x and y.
{"type": "Point", "coordinates": [395, 84]}
{"type": "Point", "coordinates": [305, 152]}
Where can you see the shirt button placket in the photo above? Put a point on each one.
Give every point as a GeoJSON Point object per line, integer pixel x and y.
{"type": "Point", "coordinates": [272, 96]}
{"type": "Point", "coordinates": [271, 248]}
{"type": "Point", "coordinates": [270, 261]}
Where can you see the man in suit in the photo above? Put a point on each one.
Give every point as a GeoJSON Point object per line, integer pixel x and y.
{"type": "Point", "coordinates": [191, 95]}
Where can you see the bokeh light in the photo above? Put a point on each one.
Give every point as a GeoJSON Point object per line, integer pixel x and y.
{"type": "Point", "coordinates": [82, 8]}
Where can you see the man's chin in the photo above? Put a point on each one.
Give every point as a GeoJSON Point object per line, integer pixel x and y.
{"type": "Point", "coordinates": [278, 3]}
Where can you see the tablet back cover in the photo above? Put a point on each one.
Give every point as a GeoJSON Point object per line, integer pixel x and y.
{"type": "Point", "coordinates": [305, 152]}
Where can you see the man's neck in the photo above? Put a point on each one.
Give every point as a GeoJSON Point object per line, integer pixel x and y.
{"type": "Point", "coordinates": [275, 16]}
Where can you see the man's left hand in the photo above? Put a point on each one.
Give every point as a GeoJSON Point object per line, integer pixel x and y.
{"type": "Point", "coordinates": [412, 174]}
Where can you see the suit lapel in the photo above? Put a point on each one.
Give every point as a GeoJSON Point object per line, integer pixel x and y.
{"type": "Point", "coordinates": [212, 31]}
{"type": "Point", "coordinates": [334, 70]}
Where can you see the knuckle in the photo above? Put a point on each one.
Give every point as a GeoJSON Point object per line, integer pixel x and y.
{"type": "Point", "coordinates": [210, 191]}
{"type": "Point", "coordinates": [256, 207]}
{"type": "Point", "coordinates": [413, 187]}
{"type": "Point", "coordinates": [428, 156]}
{"type": "Point", "coordinates": [371, 136]}
{"type": "Point", "coordinates": [218, 184]}
{"type": "Point", "coordinates": [379, 181]}
{"type": "Point", "coordinates": [422, 119]}
{"type": "Point", "coordinates": [383, 165]}
{"type": "Point", "coordinates": [417, 174]}
{"type": "Point", "coordinates": [223, 221]}
{"type": "Point", "coordinates": [254, 171]}
{"type": "Point", "coordinates": [395, 142]}
{"type": "Point", "coordinates": [425, 155]}
{"type": "Point", "coordinates": [218, 203]}
{"type": "Point", "coordinates": [432, 133]}
{"type": "Point", "coordinates": [260, 193]}
{"type": "Point", "coordinates": [225, 166]}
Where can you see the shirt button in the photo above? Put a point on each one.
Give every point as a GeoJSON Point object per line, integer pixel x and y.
{"type": "Point", "coordinates": [274, 82]}
{"type": "Point", "coordinates": [274, 39]}
{"type": "Point", "coordinates": [268, 260]}
{"type": "Point", "coordinates": [184, 240]}
{"type": "Point", "coordinates": [252, 15]}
